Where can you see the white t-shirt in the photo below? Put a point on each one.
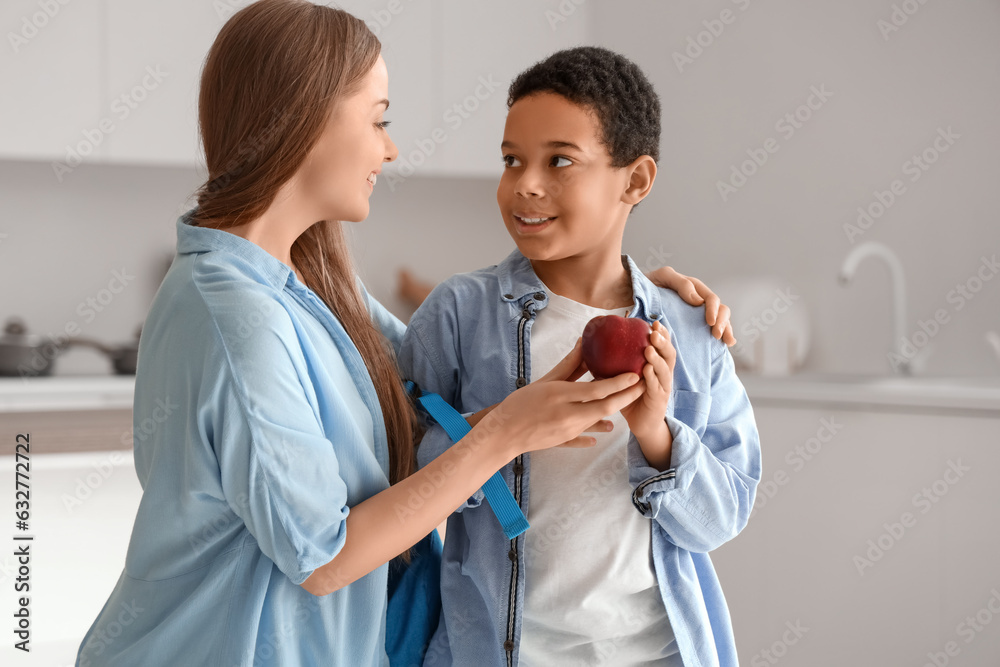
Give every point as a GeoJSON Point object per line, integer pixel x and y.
{"type": "Point", "coordinates": [591, 595]}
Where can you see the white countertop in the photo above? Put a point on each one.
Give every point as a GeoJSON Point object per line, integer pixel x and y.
{"type": "Point", "coordinates": [66, 392]}
{"type": "Point", "coordinates": [980, 395]}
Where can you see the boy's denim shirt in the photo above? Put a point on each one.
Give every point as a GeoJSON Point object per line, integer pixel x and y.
{"type": "Point", "coordinates": [470, 343]}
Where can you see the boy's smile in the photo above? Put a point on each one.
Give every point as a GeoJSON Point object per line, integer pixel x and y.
{"type": "Point", "coordinates": [563, 203]}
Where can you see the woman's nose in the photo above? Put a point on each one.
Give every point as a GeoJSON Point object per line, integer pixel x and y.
{"type": "Point", "coordinates": [391, 151]}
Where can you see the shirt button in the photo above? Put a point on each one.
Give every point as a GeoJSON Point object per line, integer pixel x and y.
{"type": "Point", "coordinates": [512, 555]}
{"type": "Point", "coordinates": [518, 468]}
{"type": "Point", "coordinates": [508, 296]}
{"type": "Point", "coordinates": [521, 382]}
{"type": "Point", "coordinates": [508, 645]}
{"type": "Point", "coordinates": [539, 296]}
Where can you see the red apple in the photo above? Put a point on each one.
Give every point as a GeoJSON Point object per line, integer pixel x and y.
{"type": "Point", "coordinates": [613, 345]}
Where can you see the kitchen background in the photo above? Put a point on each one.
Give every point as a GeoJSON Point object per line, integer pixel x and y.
{"type": "Point", "coordinates": [793, 133]}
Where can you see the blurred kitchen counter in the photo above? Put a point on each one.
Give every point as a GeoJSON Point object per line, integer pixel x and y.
{"type": "Point", "coordinates": [68, 413]}
{"type": "Point", "coordinates": [972, 396]}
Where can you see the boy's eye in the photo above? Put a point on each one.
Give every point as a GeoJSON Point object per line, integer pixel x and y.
{"type": "Point", "coordinates": [566, 160]}
{"type": "Point", "coordinates": [511, 161]}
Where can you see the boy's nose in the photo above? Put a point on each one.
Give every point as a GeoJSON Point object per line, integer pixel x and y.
{"type": "Point", "coordinates": [530, 184]}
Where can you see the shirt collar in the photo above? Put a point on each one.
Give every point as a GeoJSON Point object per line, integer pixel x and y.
{"type": "Point", "coordinates": [518, 280]}
{"type": "Point", "coordinates": [193, 239]}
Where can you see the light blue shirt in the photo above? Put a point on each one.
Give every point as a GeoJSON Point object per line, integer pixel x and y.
{"type": "Point", "coordinates": [470, 343]}
{"type": "Point", "coordinates": [256, 428]}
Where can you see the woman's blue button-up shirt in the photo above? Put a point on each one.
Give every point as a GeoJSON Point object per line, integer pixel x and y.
{"type": "Point", "coordinates": [256, 428]}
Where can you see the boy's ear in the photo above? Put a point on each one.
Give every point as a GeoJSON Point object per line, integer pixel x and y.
{"type": "Point", "coordinates": [642, 173]}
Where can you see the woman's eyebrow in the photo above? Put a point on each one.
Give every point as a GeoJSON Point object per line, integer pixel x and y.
{"type": "Point", "coordinates": [383, 101]}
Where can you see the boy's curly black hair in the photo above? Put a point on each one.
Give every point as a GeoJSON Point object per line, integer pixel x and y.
{"type": "Point", "coordinates": [609, 84]}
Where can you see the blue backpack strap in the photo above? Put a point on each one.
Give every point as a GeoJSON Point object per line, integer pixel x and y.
{"type": "Point", "coordinates": [497, 493]}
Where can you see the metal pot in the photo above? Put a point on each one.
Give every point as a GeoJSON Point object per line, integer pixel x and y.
{"type": "Point", "coordinates": [123, 357]}
{"type": "Point", "coordinates": [25, 354]}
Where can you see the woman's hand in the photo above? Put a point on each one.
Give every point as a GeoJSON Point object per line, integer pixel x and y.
{"type": "Point", "coordinates": [556, 410]}
{"type": "Point", "coordinates": [696, 293]}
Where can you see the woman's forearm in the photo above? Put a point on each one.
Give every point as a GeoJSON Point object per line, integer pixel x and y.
{"type": "Point", "coordinates": [383, 526]}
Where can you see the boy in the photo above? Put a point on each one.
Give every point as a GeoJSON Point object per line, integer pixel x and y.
{"type": "Point", "coordinates": [614, 567]}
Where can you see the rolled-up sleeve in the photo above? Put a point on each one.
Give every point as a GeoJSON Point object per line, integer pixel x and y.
{"type": "Point", "coordinates": [705, 498]}
{"type": "Point", "coordinates": [279, 472]}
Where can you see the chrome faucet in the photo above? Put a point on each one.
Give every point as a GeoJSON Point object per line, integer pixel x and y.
{"type": "Point", "coordinates": [882, 251]}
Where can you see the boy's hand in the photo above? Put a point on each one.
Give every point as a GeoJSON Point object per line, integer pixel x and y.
{"type": "Point", "coordinates": [645, 416]}
{"type": "Point", "coordinates": [696, 293]}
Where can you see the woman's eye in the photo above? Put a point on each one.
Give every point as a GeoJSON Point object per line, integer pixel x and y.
{"type": "Point", "coordinates": [566, 161]}
{"type": "Point", "coordinates": [511, 161]}
{"type": "Point", "coordinates": [383, 124]}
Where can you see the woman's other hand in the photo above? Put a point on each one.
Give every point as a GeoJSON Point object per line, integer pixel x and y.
{"type": "Point", "coordinates": [555, 410]}
{"type": "Point", "coordinates": [696, 293]}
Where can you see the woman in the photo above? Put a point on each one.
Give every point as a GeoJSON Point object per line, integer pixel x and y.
{"type": "Point", "coordinates": [278, 474]}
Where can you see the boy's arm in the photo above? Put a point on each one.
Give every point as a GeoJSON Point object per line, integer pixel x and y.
{"type": "Point", "coordinates": [704, 499]}
{"type": "Point", "coordinates": [428, 357]}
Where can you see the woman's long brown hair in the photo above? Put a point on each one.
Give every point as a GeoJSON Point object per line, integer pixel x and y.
{"type": "Point", "coordinates": [270, 81]}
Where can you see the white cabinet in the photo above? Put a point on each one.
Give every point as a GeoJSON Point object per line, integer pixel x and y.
{"type": "Point", "coordinates": [132, 67]}
{"type": "Point", "coordinates": [873, 531]}
{"type": "Point", "coordinates": [155, 55]}
{"type": "Point", "coordinates": [50, 66]}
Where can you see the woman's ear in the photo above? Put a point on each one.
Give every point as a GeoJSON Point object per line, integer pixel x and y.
{"type": "Point", "coordinates": [642, 173]}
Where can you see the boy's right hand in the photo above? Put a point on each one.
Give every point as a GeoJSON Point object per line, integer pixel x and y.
{"type": "Point", "coordinates": [556, 410]}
